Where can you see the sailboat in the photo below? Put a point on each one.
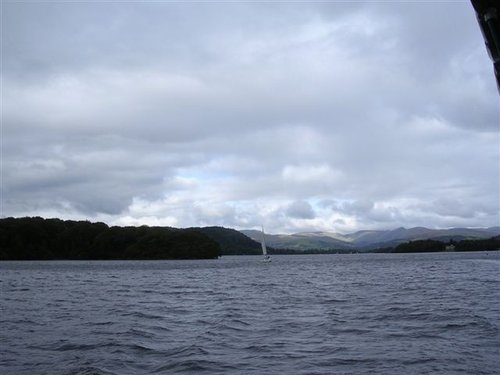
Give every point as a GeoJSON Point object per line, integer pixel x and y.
{"type": "Point", "coordinates": [267, 258]}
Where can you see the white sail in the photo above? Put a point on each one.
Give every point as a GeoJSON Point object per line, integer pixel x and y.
{"type": "Point", "coordinates": [263, 243]}
{"type": "Point", "coordinates": [267, 258]}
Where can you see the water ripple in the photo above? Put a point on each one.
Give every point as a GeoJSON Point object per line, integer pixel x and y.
{"type": "Point", "coordinates": [344, 314]}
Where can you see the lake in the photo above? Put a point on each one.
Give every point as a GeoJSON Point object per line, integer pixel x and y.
{"type": "Point", "coordinates": [305, 314]}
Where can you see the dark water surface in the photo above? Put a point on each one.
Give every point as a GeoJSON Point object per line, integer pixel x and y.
{"type": "Point", "coordinates": [321, 314]}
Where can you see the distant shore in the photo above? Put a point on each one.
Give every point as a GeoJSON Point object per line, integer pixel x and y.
{"type": "Point", "coordinates": [35, 238]}
{"type": "Point", "coordinates": [52, 239]}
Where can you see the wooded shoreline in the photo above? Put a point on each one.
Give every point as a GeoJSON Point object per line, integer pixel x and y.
{"type": "Point", "coordinates": [36, 238]}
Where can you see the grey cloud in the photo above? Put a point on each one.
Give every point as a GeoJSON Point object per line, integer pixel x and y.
{"type": "Point", "coordinates": [249, 111]}
{"type": "Point", "coordinates": [94, 175]}
{"type": "Point", "coordinates": [360, 207]}
{"type": "Point", "coordinates": [300, 210]}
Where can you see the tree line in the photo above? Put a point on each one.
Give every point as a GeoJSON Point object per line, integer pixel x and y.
{"type": "Point", "coordinates": [421, 246]}
{"type": "Point", "coordinates": [35, 238]}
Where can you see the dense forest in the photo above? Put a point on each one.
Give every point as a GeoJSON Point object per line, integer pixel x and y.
{"type": "Point", "coordinates": [38, 238]}
{"type": "Point", "coordinates": [231, 241]}
{"type": "Point", "coordinates": [422, 246]}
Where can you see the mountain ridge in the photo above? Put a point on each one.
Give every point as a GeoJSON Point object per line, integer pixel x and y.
{"type": "Point", "coordinates": [368, 239]}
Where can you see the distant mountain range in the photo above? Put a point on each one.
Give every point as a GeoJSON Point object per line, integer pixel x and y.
{"type": "Point", "coordinates": [368, 239]}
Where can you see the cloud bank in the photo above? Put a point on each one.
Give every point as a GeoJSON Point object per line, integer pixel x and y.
{"type": "Point", "coordinates": [300, 116]}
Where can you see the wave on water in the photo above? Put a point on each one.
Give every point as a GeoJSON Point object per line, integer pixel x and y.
{"type": "Point", "coordinates": [339, 314]}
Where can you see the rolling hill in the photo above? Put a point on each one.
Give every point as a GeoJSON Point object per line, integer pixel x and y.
{"type": "Point", "coordinates": [368, 239]}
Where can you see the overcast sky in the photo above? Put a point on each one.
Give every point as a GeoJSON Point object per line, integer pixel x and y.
{"type": "Point", "coordinates": [336, 116]}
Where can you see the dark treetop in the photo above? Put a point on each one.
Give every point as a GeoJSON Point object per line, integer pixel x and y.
{"type": "Point", "coordinates": [38, 238]}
